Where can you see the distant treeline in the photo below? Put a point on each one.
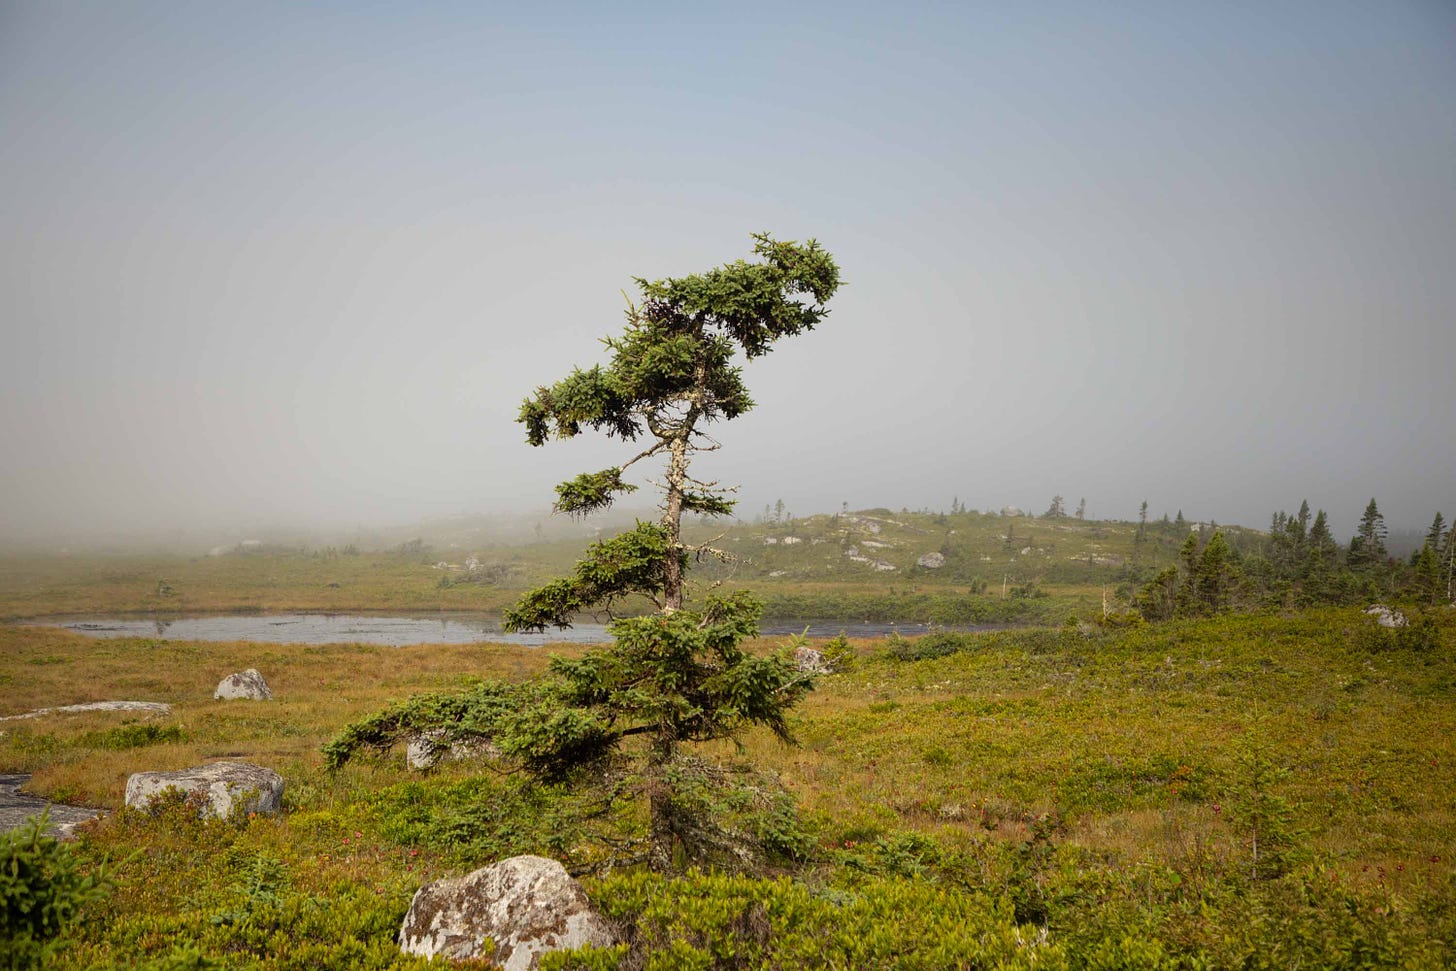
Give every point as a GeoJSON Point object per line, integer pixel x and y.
{"type": "Point", "coordinates": [1299, 563]}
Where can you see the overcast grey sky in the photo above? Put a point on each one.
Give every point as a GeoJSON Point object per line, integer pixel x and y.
{"type": "Point", "coordinates": [301, 262]}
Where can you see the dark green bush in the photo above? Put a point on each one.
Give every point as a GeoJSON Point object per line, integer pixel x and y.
{"type": "Point", "coordinates": [133, 736]}
{"type": "Point", "coordinates": [939, 644]}
{"type": "Point", "coordinates": [42, 890]}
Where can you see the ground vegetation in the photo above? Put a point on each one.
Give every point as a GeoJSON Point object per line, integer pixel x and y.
{"type": "Point", "coordinates": [1241, 790]}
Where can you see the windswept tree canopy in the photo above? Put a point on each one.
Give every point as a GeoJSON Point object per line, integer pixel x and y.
{"type": "Point", "coordinates": [671, 371]}
{"type": "Point", "coordinates": [677, 676]}
{"type": "Point", "coordinates": [672, 368]}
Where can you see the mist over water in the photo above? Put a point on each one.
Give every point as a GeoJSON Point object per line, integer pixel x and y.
{"type": "Point", "coordinates": [273, 271]}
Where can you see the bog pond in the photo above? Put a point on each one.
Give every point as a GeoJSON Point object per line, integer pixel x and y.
{"type": "Point", "coordinates": [401, 631]}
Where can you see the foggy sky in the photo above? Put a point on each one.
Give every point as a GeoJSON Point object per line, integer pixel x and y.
{"type": "Point", "coordinates": [301, 263]}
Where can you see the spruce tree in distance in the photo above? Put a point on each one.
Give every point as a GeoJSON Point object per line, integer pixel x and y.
{"type": "Point", "coordinates": [1216, 575]}
{"type": "Point", "coordinates": [1367, 547]}
{"type": "Point", "coordinates": [1437, 533]}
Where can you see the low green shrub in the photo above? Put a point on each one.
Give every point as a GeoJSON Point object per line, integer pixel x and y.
{"type": "Point", "coordinates": [133, 736]}
{"type": "Point", "coordinates": [710, 921]}
{"type": "Point", "coordinates": [938, 644]}
{"type": "Point", "coordinates": [1422, 632]}
{"type": "Point", "coordinates": [950, 609]}
{"type": "Point", "coordinates": [43, 889]}
{"type": "Point", "coordinates": [485, 817]}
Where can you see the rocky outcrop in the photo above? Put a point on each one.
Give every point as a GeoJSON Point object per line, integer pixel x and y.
{"type": "Point", "coordinates": [148, 707]}
{"type": "Point", "coordinates": [17, 809]}
{"type": "Point", "coordinates": [428, 749]}
{"type": "Point", "coordinates": [1385, 616]}
{"type": "Point", "coordinates": [931, 561]}
{"type": "Point", "coordinates": [244, 685]}
{"type": "Point", "coordinates": [221, 788]}
{"type": "Point", "coordinates": [527, 906]}
{"type": "Point", "coordinates": [812, 661]}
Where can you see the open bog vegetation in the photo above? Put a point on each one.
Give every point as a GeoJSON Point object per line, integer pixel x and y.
{"type": "Point", "coordinates": [1263, 790]}
{"type": "Point", "coordinates": [852, 566]}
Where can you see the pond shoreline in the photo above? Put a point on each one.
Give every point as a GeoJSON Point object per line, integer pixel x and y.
{"type": "Point", "coordinates": [401, 628]}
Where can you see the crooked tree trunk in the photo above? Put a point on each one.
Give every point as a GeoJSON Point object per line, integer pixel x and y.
{"type": "Point", "coordinates": [660, 830]}
{"type": "Point", "coordinates": [677, 472]}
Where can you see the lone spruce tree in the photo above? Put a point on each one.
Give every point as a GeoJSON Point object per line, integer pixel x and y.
{"type": "Point", "coordinates": [678, 675]}
{"type": "Point", "coordinates": [671, 373]}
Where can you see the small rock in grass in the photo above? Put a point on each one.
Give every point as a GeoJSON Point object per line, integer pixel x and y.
{"type": "Point", "coordinates": [1385, 616]}
{"type": "Point", "coordinates": [812, 661]}
{"type": "Point", "coordinates": [246, 685]}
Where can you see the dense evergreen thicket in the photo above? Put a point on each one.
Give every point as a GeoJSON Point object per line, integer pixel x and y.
{"type": "Point", "coordinates": [1300, 563]}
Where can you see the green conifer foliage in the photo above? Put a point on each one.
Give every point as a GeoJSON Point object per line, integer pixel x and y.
{"type": "Point", "coordinates": [673, 371]}
{"type": "Point", "coordinates": [1437, 533]}
{"type": "Point", "coordinates": [1367, 548]}
{"type": "Point", "coordinates": [679, 675]}
{"type": "Point", "coordinates": [1216, 575]}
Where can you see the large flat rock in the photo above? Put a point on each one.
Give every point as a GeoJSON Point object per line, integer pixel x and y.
{"type": "Point", "coordinates": [18, 808]}
{"type": "Point", "coordinates": [222, 788]}
{"type": "Point", "coordinates": [148, 707]}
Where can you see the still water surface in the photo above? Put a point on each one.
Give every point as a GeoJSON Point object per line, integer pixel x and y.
{"type": "Point", "coordinates": [402, 631]}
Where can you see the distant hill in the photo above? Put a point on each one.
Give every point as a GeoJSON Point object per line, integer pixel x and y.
{"type": "Point", "coordinates": [958, 549]}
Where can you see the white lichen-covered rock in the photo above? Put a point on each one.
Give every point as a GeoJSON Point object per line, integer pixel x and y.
{"type": "Point", "coordinates": [427, 749]}
{"type": "Point", "coordinates": [221, 788]}
{"type": "Point", "coordinates": [1385, 616]}
{"type": "Point", "coordinates": [245, 685]}
{"type": "Point", "coordinates": [527, 906]}
{"type": "Point", "coordinates": [146, 707]}
{"type": "Point", "coordinates": [813, 661]}
{"type": "Point", "coordinates": [931, 561]}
